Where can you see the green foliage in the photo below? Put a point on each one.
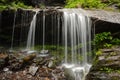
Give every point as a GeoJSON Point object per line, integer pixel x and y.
{"type": "Point", "coordinates": [107, 45]}
{"type": "Point", "coordinates": [114, 1]}
{"type": "Point", "coordinates": [98, 52]}
{"type": "Point", "coordinates": [73, 3]}
{"type": "Point", "coordinates": [109, 70]}
{"type": "Point", "coordinates": [85, 4]}
{"type": "Point", "coordinates": [105, 40]}
{"type": "Point", "coordinates": [116, 41]}
{"type": "Point", "coordinates": [94, 4]}
{"type": "Point", "coordinates": [42, 6]}
{"type": "Point", "coordinates": [4, 4]}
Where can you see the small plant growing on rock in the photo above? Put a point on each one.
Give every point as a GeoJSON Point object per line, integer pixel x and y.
{"type": "Point", "coordinates": [103, 40]}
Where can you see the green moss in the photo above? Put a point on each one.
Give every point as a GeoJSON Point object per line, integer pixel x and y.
{"type": "Point", "coordinates": [99, 52]}
{"type": "Point", "coordinates": [109, 70]}
{"type": "Point", "coordinates": [113, 53]}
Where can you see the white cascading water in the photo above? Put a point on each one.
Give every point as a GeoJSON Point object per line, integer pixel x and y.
{"type": "Point", "coordinates": [77, 41]}
{"type": "Point", "coordinates": [43, 51]}
{"type": "Point", "coordinates": [43, 30]}
{"type": "Point", "coordinates": [13, 32]}
{"type": "Point", "coordinates": [31, 34]}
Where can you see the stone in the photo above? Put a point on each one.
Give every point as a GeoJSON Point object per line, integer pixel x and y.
{"type": "Point", "coordinates": [44, 52]}
{"type": "Point", "coordinates": [29, 57]}
{"type": "Point", "coordinates": [107, 50]}
{"type": "Point", "coordinates": [24, 72]}
{"type": "Point", "coordinates": [3, 60]}
{"type": "Point", "coordinates": [101, 58]}
{"type": "Point", "coordinates": [6, 69]}
{"type": "Point", "coordinates": [3, 56]}
{"type": "Point", "coordinates": [29, 76]}
{"type": "Point", "coordinates": [50, 64]}
{"type": "Point", "coordinates": [33, 70]}
{"type": "Point", "coordinates": [107, 66]}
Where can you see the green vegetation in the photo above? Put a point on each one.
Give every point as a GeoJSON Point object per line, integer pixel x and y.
{"type": "Point", "coordinates": [105, 40]}
{"type": "Point", "coordinates": [7, 4]}
{"type": "Point", "coordinates": [99, 52]}
{"type": "Point", "coordinates": [85, 4]}
{"type": "Point", "coordinates": [109, 70]}
{"type": "Point", "coordinates": [93, 4]}
{"type": "Point", "coordinates": [90, 4]}
{"type": "Point", "coordinates": [54, 50]}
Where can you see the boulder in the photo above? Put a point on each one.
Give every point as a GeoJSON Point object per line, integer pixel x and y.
{"type": "Point", "coordinates": [3, 60]}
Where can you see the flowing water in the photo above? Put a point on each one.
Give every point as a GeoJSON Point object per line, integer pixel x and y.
{"type": "Point", "coordinates": [76, 38]}
{"type": "Point", "coordinates": [12, 39]}
{"type": "Point", "coordinates": [77, 42]}
{"type": "Point", "coordinates": [31, 34]}
{"type": "Point", "coordinates": [43, 30]}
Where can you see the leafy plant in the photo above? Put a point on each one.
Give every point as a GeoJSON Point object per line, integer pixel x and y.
{"type": "Point", "coordinates": [98, 52]}
{"type": "Point", "coordinates": [93, 4]}
{"type": "Point", "coordinates": [116, 41]}
{"type": "Point", "coordinates": [105, 40]}
{"type": "Point", "coordinates": [4, 4]}
{"type": "Point", "coordinates": [109, 70]}
{"type": "Point", "coordinates": [84, 4]}
{"type": "Point", "coordinates": [102, 40]}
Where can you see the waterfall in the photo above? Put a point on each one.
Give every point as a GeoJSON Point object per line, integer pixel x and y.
{"type": "Point", "coordinates": [31, 34]}
{"type": "Point", "coordinates": [13, 31]}
{"type": "Point", "coordinates": [43, 30]}
{"type": "Point", "coordinates": [77, 41]}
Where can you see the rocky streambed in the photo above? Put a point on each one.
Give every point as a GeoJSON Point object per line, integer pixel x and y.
{"type": "Point", "coordinates": [106, 65]}
{"type": "Point", "coordinates": [22, 66]}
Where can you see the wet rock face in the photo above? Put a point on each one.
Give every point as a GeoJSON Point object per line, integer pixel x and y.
{"type": "Point", "coordinates": [21, 20]}
{"type": "Point", "coordinates": [106, 66]}
{"type": "Point", "coordinates": [18, 19]}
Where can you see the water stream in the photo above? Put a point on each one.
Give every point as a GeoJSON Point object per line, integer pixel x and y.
{"type": "Point", "coordinates": [31, 33]}
{"type": "Point", "coordinates": [43, 30]}
{"type": "Point", "coordinates": [76, 39]}
{"type": "Point", "coordinates": [77, 42]}
{"type": "Point", "coordinates": [13, 32]}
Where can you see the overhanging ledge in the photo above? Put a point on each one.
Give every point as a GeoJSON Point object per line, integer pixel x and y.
{"type": "Point", "coordinates": [108, 16]}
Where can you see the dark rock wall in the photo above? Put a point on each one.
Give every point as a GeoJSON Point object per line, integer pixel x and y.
{"type": "Point", "coordinates": [7, 18]}
{"type": "Point", "coordinates": [51, 27]}
{"type": "Point", "coordinates": [53, 32]}
{"type": "Point", "coordinates": [103, 26]}
{"type": "Point", "coordinates": [22, 22]}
